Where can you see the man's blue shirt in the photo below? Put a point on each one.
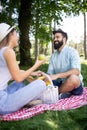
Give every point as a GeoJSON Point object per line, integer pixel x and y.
{"type": "Point", "coordinates": [64, 61]}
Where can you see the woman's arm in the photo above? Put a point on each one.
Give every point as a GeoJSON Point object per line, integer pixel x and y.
{"type": "Point", "coordinates": [14, 69]}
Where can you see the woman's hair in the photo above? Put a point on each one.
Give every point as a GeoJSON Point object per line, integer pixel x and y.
{"type": "Point", "coordinates": [5, 41]}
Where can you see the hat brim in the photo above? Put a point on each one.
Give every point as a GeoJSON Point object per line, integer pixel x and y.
{"type": "Point", "coordinates": [8, 31]}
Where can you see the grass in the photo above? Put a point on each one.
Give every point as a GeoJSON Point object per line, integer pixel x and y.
{"type": "Point", "coordinates": [84, 70]}
{"type": "Point", "coordinates": [50, 120]}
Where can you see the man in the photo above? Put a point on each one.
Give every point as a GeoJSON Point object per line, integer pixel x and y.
{"type": "Point", "coordinates": [64, 67]}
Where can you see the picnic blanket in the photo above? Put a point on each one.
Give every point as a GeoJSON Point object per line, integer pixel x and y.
{"type": "Point", "coordinates": [63, 104]}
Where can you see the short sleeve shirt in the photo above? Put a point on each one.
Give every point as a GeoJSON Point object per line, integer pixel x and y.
{"type": "Point", "coordinates": [64, 61]}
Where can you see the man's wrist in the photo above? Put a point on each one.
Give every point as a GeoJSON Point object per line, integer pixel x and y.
{"type": "Point", "coordinates": [57, 76]}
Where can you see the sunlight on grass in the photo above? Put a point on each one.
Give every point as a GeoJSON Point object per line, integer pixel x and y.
{"type": "Point", "coordinates": [83, 61]}
{"type": "Point", "coordinates": [51, 124]}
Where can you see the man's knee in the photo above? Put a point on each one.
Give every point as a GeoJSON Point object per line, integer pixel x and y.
{"type": "Point", "coordinates": [78, 91]}
{"type": "Point", "coordinates": [74, 79]}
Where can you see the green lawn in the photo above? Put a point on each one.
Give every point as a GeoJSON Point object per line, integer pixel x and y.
{"type": "Point", "coordinates": [53, 120]}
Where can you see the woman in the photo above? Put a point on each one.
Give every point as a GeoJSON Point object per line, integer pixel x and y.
{"type": "Point", "coordinates": [17, 94]}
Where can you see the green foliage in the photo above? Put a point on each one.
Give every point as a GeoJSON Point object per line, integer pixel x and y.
{"type": "Point", "coordinates": [9, 12]}
{"type": "Point", "coordinates": [84, 73]}
{"type": "Point", "coordinates": [43, 13]}
{"type": "Point", "coordinates": [43, 34]}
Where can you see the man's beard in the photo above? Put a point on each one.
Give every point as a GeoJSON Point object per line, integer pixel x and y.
{"type": "Point", "coordinates": [58, 44]}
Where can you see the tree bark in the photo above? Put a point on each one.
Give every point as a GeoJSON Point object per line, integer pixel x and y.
{"type": "Point", "coordinates": [36, 31]}
{"type": "Point", "coordinates": [36, 43]}
{"type": "Point", "coordinates": [24, 26]}
{"type": "Point", "coordinates": [85, 53]}
{"type": "Point", "coordinates": [50, 28]}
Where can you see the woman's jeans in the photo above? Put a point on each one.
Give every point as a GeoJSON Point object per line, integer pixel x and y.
{"type": "Point", "coordinates": [16, 95]}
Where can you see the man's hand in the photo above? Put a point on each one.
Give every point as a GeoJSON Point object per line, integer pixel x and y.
{"type": "Point", "coordinates": [54, 76]}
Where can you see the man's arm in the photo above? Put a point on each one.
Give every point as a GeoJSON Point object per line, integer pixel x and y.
{"type": "Point", "coordinates": [65, 74]}
{"type": "Point", "coordinates": [75, 66]}
{"type": "Point", "coordinates": [50, 66]}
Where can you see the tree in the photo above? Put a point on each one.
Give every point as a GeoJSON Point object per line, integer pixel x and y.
{"type": "Point", "coordinates": [43, 13]}
{"type": "Point", "coordinates": [77, 7]}
{"type": "Point", "coordinates": [85, 47]}
{"type": "Point", "coordinates": [44, 39]}
{"type": "Point", "coordinates": [35, 13]}
{"type": "Point", "coordinates": [24, 21]}
{"type": "Point", "coordinates": [9, 11]}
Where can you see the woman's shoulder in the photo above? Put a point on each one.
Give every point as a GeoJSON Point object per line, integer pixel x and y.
{"type": "Point", "coordinates": [9, 52]}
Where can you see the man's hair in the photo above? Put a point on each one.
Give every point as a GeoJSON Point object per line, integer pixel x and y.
{"type": "Point", "coordinates": [62, 32]}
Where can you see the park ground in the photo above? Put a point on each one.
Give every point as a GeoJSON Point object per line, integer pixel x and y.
{"type": "Point", "coordinates": [54, 120]}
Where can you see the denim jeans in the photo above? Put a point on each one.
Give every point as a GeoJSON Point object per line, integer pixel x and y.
{"type": "Point", "coordinates": [76, 91]}
{"type": "Point", "coordinates": [16, 95]}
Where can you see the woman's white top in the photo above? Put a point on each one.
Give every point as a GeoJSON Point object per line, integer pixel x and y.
{"type": "Point", "coordinates": [5, 75]}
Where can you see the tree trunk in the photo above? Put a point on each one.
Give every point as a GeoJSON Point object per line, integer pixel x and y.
{"type": "Point", "coordinates": [36, 32]}
{"type": "Point", "coordinates": [36, 48]}
{"type": "Point", "coordinates": [24, 26]}
{"type": "Point", "coordinates": [50, 30]}
{"type": "Point", "coordinates": [85, 50]}
{"type": "Point", "coordinates": [36, 45]}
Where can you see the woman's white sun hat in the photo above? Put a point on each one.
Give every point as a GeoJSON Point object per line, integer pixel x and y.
{"type": "Point", "coordinates": [4, 30]}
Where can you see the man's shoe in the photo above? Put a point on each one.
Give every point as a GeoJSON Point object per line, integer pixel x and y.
{"type": "Point", "coordinates": [64, 95]}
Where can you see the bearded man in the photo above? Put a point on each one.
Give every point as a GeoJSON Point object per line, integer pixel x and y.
{"type": "Point", "coordinates": [64, 67]}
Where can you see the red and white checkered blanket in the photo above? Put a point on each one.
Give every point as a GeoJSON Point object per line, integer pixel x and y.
{"type": "Point", "coordinates": [63, 104]}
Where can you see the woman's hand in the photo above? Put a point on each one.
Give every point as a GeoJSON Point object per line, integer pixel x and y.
{"type": "Point", "coordinates": [37, 73]}
{"type": "Point", "coordinates": [30, 79]}
{"type": "Point", "coordinates": [40, 62]}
